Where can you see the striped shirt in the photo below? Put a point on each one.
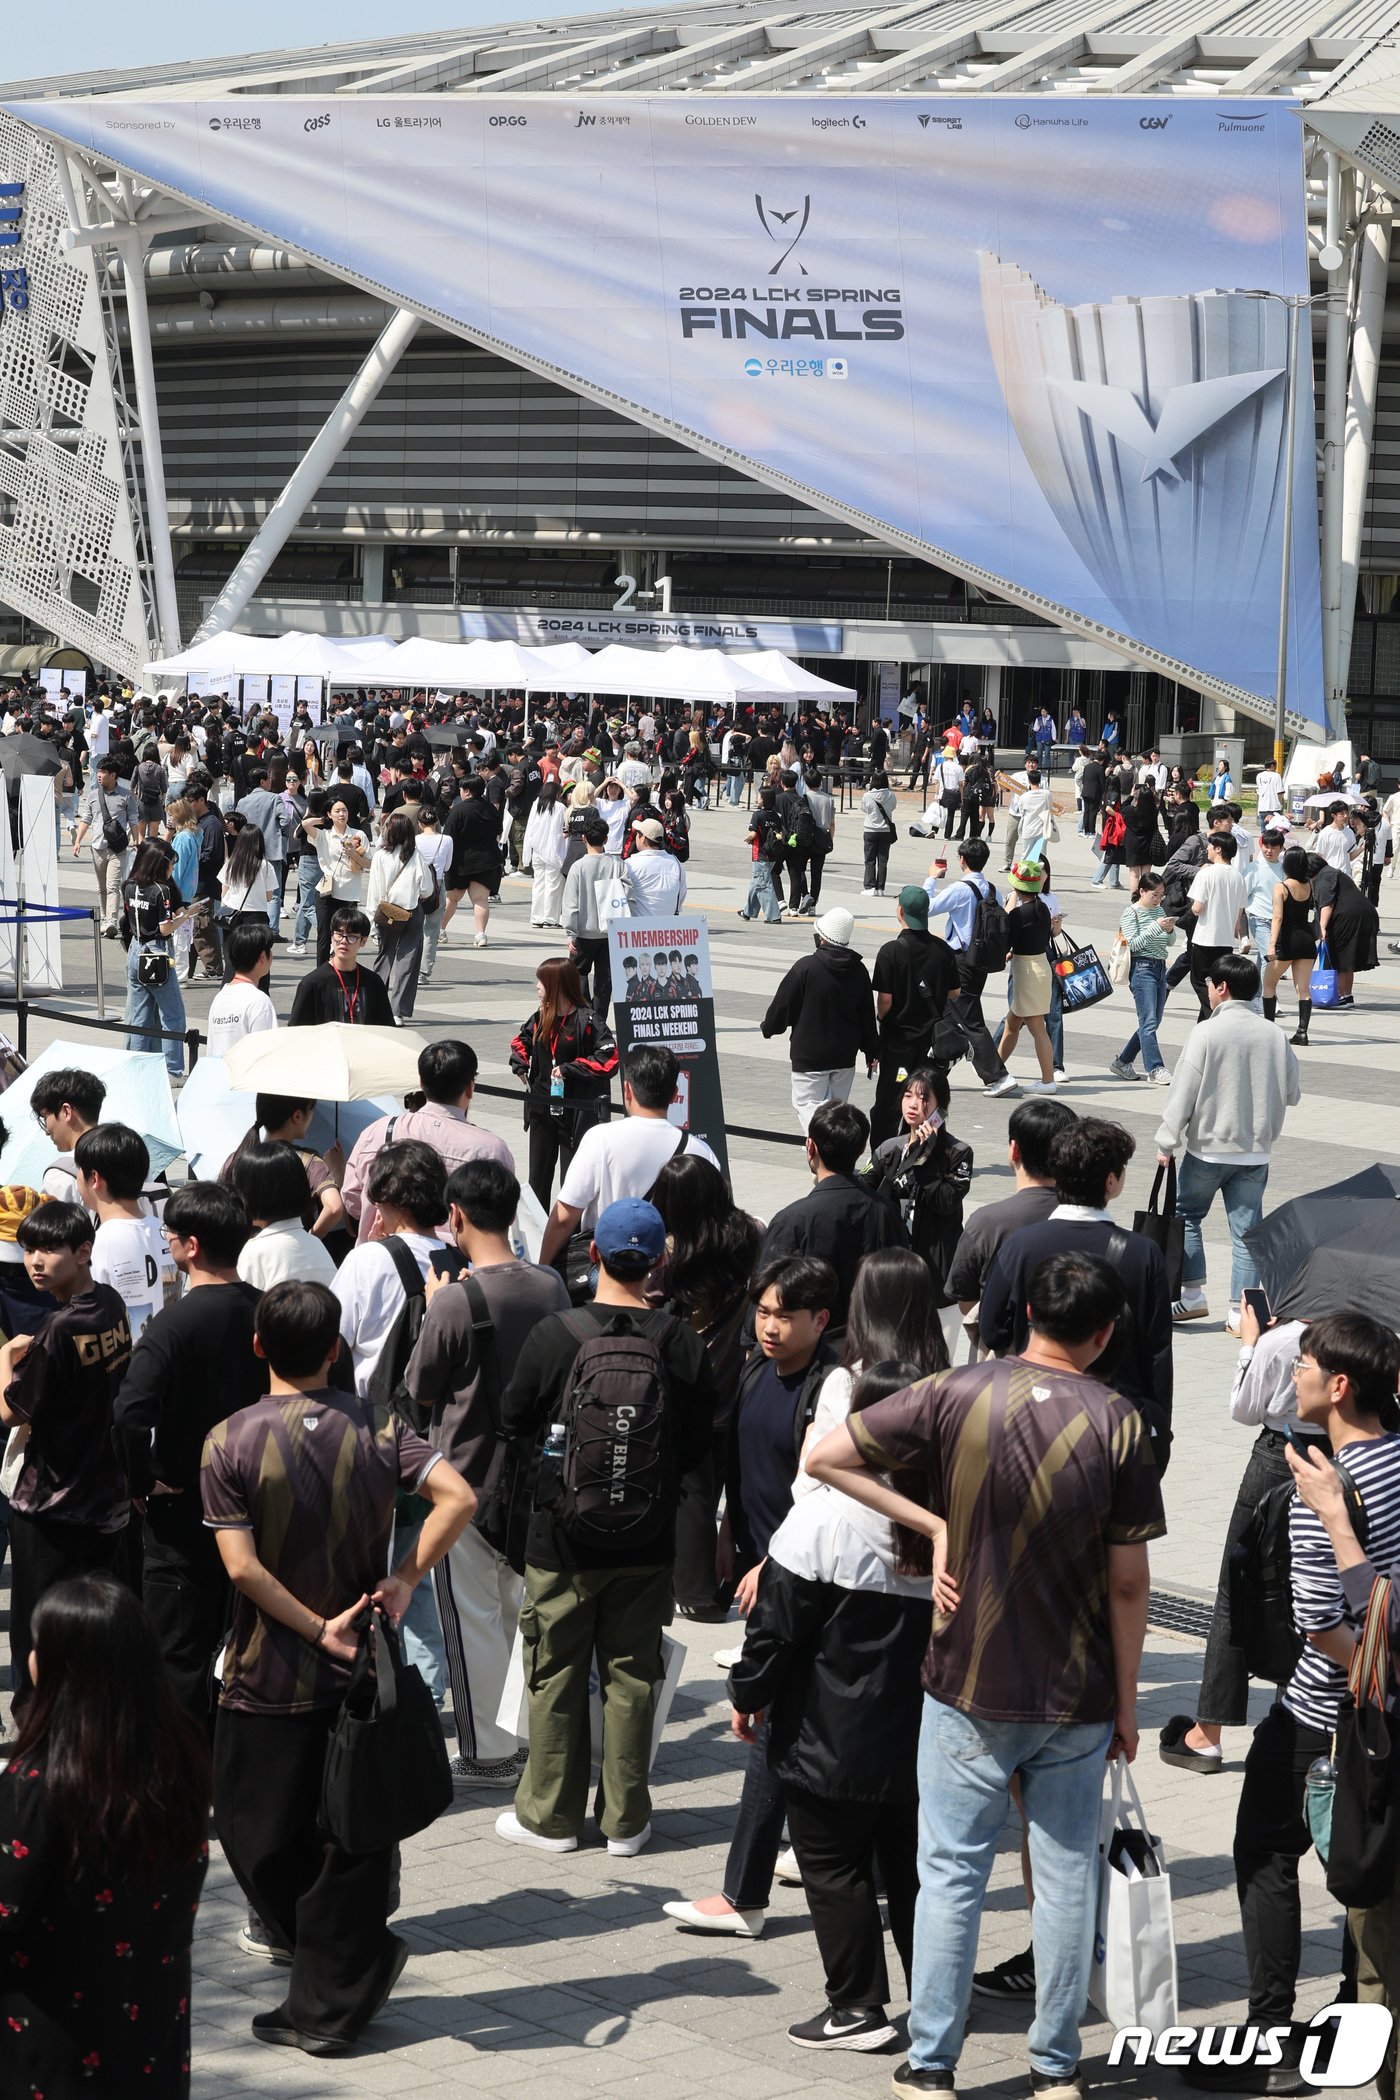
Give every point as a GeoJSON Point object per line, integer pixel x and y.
{"type": "Point", "coordinates": [1314, 1691]}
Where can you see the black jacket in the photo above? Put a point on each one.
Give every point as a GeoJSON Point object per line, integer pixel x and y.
{"type": "Point", "coordinates": [929, 1185]}
{"type": "Point", "coordinates": [1181, 871]}
{"type": "Point", "coordinates": [1138, 1360]}
{"type": "Point", "coordinates": [827, 1001]}
{"type": "Point", "coordinates": [319, 998]}
{"type": "Point", "coordinates": [837, 1672]}
{"type": "Point", "coordinates": [841, 1222]}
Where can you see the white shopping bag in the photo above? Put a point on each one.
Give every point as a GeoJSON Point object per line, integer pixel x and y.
{"type": "Point", "coordinates": [513, 1712]}
{"type": "Point", "coordinates": [1132, 1980]}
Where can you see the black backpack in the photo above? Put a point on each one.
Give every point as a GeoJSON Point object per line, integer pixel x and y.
{"type": "Point", "coordinates": [408, 1325]}
{"type": "Point", "coordinates": [618, 1471]}
{"type": "Point", "coordinates": [990, 942]}
{"type": "Point", "coordinates": [1261, 1587]}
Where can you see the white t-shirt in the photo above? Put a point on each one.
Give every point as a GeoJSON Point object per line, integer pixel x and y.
{"type": "Point", "coordinates": [132, 1255]}
{"type": "Point", "coordinates": [1268, 786]}
{"type": "Point", "coordinates": [285, 1252]}
{"type": "Point", "coordinates": [236, 1011]}
{"type": "Point", "coordinates": [621, 1159]}
{"type": "Point", "coordinates": [1221, 890]}
{"type": "Point", "coordinates": [1336, 847]}
{"type": "Point", "coordinates": [371, 1298]}
{"type": "Point", "coordinates": [255, 895]}
{"type": "Point", "coordinates": [99, 740]}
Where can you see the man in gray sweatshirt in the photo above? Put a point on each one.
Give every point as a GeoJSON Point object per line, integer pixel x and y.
{"type": "Point", "coordinates": [1234, 1082]}
{"type": "Point", "coordinates": [587, 887]}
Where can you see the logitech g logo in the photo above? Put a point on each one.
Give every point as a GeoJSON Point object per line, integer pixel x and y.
{"type": "Point", "coordinates": [778, 225]}
{"type": "Point", "coordinates": [1153, 123]}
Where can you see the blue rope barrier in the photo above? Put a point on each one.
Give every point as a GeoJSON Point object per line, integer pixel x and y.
{"type": "Point", "coordinates": [42, 911]}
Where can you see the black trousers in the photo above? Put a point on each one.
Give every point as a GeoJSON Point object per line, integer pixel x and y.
{"type": "Point", "coordinates": [877, 858]}
{"type": "Point", "coordinates": [330, 1907]}
{"type": "Point", "coordinates": [553, 1141]}
{"type": "Point", "coordinates": [805, 877]}
{"type": "Point", "coordinates": [595, 969]}
{"type": "Point", "coordinates": [965, 1012]}
{"type": "Point", "coordinates": [186, 1594]}
{"type": "Point", "coordinates": [326, 908]}
{"type": "Point", "coordinates": [898, 1053]}
{"type": "Point", "coordinates": [1202, 961]}
{"type": "Point", "coordinates": [1271, 1836]}
{"type": "Point", "coordinates": [839, 1845]}
{"type": "Point", "coordinates": [758, 1831]}
{"type": "Point", "coordinates": [1182, 966]}
{"type": "Point", "coordinates": [44, 1552]}
{"type": "Point", "coordinates": [697, 1531]}
{"type": "Point", "coordinates": [1089, 817]}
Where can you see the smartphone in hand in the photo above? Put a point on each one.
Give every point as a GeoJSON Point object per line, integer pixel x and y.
{"type": "Point", "coordinates": [1258, 1303]}
{"type": "Point", "coordinates": [447, 1262]}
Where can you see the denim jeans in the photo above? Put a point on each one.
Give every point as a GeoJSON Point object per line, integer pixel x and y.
{"type": "Point", "coordinates": [421, 1627]}
{"type": "Point", "coordinates": [1148, 983]}
{"type": "Point", "coordinates": [1198, 1183]}
{"type": "Point", "coordinates": [274, 902]}
{"type": "Point", "coordinates": [758, 1830]}
{"type": "Point", "coordinates": [965, 1772]}
{"type": "Point", "coordinates": [736, 788]}
{"type": "Point", "coordinates": [432, 934]}
{"type": "Point", "coordinates": [304, 924]}
{"type": "Point", "coordinates": [155, 1006]}
{"type": "Point", "coordinates": [1055, 1023]}
{"type": "Point", "coordinates": [762, 895]}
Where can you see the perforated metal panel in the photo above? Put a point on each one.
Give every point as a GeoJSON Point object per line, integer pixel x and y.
{"type": "Point", "coordinates": [69, 530]}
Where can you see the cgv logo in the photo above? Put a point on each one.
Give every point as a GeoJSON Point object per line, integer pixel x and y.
{"type": "Point", "coordinates": [1153, 123]}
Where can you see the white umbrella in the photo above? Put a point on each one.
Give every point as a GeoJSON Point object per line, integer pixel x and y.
{"type": "Point", "coordinates": [214, 1118]}
{"type": "Point", "coordinates": [1350, 795]}
{"type": "Point", "coordinates": [334, 1062]}
{"type": "Point", "coordinates": [138, 1094]}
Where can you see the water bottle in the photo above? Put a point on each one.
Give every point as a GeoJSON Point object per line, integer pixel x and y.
{"type": "Point", "coordinates": [551, 1478]}
{"type": "Point", "coordinates": [556, 1092]}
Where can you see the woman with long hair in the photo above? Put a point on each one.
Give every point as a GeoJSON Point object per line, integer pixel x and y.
{"type": "Point", "coordinates": [104, 1806]}
{"type": "Point", "coordinates": [400, 883]}
{"type": "Point", "coordinates": [155, 912]}
{"type": "Point", "coordinates": [248, 884]}
{"type": "Point", "coordinates": [544, 853]}
{"type": "Point", "coordinates": [892, 1314]}
{"type": "Point", "coordinates": [473, 824]}
{"type": "Point", "coordinates": [614, 807]}
{"type": "Point", "coordinates": [832, 1654]}
{"type": "Point", "coordinates": [1142, 835]}
{"type": "Point", "coordinates": [711, 1249]}
{"type": "Point", "coordinates": [581, 797]}
{"type": "Point", "coordinates": [566, 1057]}
{"type": "Point", "coordinates": [926, 1172]}
{"type": "Point", "coordinates": [435, 852]}
{"type": "Point", "coordinates": [1149, 933]}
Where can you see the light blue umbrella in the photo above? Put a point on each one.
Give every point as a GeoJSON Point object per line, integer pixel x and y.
{"type": "Point", "coordinates": [138, 1094]}
{"type": "Point", "coordinates": [215, 1118]}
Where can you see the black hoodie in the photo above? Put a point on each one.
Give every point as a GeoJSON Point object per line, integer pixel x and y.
{"type": "Point", "coordinates": [827, 1001]}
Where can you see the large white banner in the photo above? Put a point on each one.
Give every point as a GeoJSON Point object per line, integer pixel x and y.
{"type": "Point", "coordinates": [1019, 338]}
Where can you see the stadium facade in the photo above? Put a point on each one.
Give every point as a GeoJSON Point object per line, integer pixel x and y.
{"type": "Point", "coordinates": [193, 381]}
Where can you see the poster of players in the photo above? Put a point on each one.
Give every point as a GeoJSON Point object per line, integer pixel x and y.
{"type": "Point", "coordinates": [663, 993]}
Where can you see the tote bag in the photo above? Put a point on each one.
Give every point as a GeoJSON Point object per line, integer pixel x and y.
{"type": "Point", "coordinates": [1322, 985]}
{"type": "Point", "coordinates": [1364, 1845]}
{"type": "Point", "coordinates": [1132, 1979]}
{"type": "Point", "coordinates": [1163, 1227]}
{"type": "Point", "coordinates": [513, 1713]}
{"type": "Point", "coordinates": [386, 1772]}
{"type": "Point", "coordinates": [1083, 978]}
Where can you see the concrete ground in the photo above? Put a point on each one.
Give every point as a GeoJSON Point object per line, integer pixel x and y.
{"type": "Point", "coordinates": [560, 1976]}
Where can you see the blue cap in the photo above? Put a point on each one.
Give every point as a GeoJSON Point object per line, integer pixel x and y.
{"type": "Point", "coordinates": [630, 1226]}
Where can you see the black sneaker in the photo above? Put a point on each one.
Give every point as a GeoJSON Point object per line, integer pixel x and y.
{"type": "Point", "coordinates": [1054, 2085]}
{"type": "Point", "coordinates": [907, 2080]}
{"type": "Point", "coordinates": [844, 2027]}
{"type": "Point", "coordinates": [1012, 1978]}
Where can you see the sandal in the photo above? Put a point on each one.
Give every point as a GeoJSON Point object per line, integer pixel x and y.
{"type": "Point", "coordinates": [1174, 1750]}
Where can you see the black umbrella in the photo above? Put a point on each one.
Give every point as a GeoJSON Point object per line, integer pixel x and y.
{"type": "Point", "coordinates": [1335, 1251]}
{"type": "Point", "coordinates": [335, 733]}
{"type": "Point", "coordinates": [23, 755]}
{"type": "Point", "coordinates": [447, 736]}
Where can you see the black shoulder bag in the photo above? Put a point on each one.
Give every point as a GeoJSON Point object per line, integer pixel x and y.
{"type": "Point", "coordinates": [386, 1772]}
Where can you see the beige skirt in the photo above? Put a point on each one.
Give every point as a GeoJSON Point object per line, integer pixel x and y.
{"type": "Point", "coordinates": [1030, 986]}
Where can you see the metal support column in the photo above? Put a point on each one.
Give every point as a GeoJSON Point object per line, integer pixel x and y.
{"type": "Point", "coordinates": [1334, 415]}
{"type": "Point", "coordinates": [321, 455]}
{"type": "Point", "coordinates": [131, 248]}
{"type": "Point", "coordinates": [1360, 432]}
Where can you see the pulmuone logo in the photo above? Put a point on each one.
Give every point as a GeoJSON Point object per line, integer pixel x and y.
{"type": "Point", "coordinates": [790, 313]}
{"type": "Point", "coordinates": [1344, 2047]}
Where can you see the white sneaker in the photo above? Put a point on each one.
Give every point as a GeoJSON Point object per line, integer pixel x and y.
{"type": "Point", "coordinates": [481, 941]}
{"type": "Point", "coordinates": [736, 1924]}
{"type": "Point", "coordinates": [1060, 1072]}
{"type": "Point", "coordinates": [725, 1658]}
{"type": "Point", "coordinates": [628, 1848]}
{"type": "Point", "coordinates": [1232, 1321]}
{"type": "Point", "coordinates": [1001, 1086]}
{"type": "Point", "coordinates": [787, 1870]}
{"type": "Point", "coordinates": [296, 948]}
{"type": "Point", "coordinates": [1161, 1077]}
{"type": "Point", "coordinates": [509, 1827]}
{"type": "Point", "coordinates": [870, 893]}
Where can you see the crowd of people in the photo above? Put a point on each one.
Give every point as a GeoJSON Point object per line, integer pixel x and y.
{"type": "Point", "coordinates": [251, 1415]}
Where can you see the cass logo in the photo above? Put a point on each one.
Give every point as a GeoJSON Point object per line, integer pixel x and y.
{"type": "Point", "coordinates": [317, 123]}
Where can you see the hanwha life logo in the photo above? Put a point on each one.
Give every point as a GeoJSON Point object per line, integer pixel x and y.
{"type": "Point", "coordinates": [785, 228]}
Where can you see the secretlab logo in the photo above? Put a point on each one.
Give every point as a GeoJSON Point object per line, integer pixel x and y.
{"type": "Point", "coordinates": [778, 225]}
{"type": "Point", "coordinates": [1344, 2047]}
{"type": "Point", "coordinates": [948, 123]}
